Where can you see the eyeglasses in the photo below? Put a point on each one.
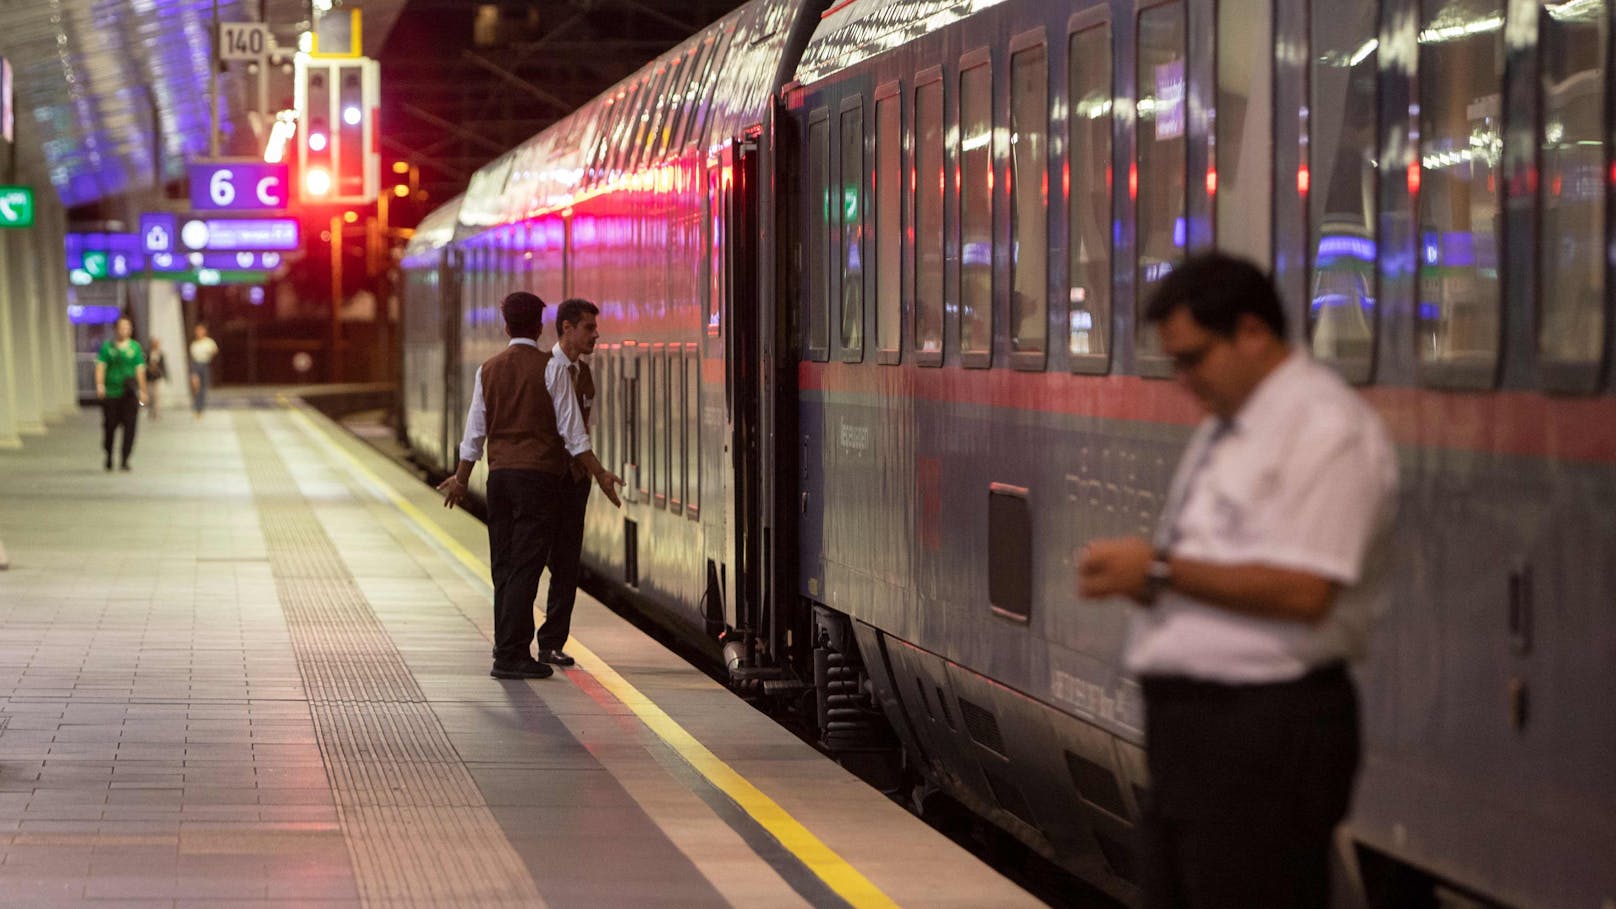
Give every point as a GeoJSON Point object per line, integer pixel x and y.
{"type": "Point", "coordinates": [1189, 359]}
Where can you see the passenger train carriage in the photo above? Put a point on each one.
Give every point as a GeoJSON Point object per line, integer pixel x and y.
{"type": "Point", "coordinates": [872, 368]}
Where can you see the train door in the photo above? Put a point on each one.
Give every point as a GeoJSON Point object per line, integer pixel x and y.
{"type": "Point", "coordinates": [731, 232]}
{"type": "Point", "coordinates": [455, 399]}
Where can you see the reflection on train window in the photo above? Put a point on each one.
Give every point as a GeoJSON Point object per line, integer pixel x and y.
{"type": "Point", "coordinates": [1341, 180]}
{"type": "Point", "coordinates": [665, 429]}
{"type": "Point", "coordinates": [647, 414]}
{"type": "Point", "coordinates": [1571, 325]}
{"type": "Point", "coordinates": [928, 192]}
{"type": "Point", "coordinates": [1461, 73]}
{"type": "Point", "coordinates": [1029, 201]}
{"type": "Point", "coordinates": [600, 428]}
{"type": "Point", "coordinates": [693, 434]}
{"type": "Point", "coordinates": [888, 226]}
{"type": "Point", "coordinates": [1161, 180]}
{"type": "Point", "coordinates": [976, 210]}
{"type": "Point", "coordinates": [851, 208]}
{"type": "Point", "coordinates": [676, 422]}
{"type": "Point", "coordinates": [816, 267]}
{"type": "Point", "coordinates": [713, 255]}
{"type": "Point", "coordinates": [629, 420]}
{"type": "Point", "coordinates": [1089, 203]}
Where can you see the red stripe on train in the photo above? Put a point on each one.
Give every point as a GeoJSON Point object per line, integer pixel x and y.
{"type": "Point", "coordinates": [1515, 423]}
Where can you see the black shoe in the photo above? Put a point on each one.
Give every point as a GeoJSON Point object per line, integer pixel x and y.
{"type": "Point", "coordinates": [526, 669]}
{"type": "Point", "coordinates": [124, 466]}
{"type": "Point", "coordinates": [109, 462]}
{"type": "Point", "coordinates": [556, 657]}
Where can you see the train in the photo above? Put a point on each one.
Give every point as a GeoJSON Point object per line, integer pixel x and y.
{"type": "Point", "coordinates": [873, 370]}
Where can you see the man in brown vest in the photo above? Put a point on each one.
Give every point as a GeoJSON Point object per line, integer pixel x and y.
{"type": "Point", "coordinates": [515, 412]}
{"type": "Point", "coordinates": [576, 327]}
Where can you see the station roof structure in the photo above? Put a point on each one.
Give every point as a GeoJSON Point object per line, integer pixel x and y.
{"type": "Point", "coordinates": [111, 96]}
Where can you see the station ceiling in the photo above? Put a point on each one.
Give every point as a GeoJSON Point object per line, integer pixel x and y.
{"type": "Point", "coordinates": [111, 96]}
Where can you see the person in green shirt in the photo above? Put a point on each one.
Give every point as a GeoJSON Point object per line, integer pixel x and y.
{"type": "Point", "coordinates": [120, 383]}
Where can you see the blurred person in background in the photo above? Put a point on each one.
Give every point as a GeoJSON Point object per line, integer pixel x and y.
{"type": "Point", "coordinates": [203, 350]}
{"type": "Point", "coordinates": [120, 383]}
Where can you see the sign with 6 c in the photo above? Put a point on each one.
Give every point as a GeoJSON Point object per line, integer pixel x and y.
{"type": "Point", "coordinates": [245, 185]}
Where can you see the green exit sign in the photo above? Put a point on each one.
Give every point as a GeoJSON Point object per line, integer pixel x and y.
{"type": "Point", "coordinates": [16, 206]}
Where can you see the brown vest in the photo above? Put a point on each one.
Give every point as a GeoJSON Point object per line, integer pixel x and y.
{"type": "Point", "coordinates": [583, 386]}
{"type": "Point", "coordinates": [521, 416]}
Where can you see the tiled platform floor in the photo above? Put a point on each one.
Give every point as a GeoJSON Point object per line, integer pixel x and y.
{"type": "Point", "coordinates": [243, 674]}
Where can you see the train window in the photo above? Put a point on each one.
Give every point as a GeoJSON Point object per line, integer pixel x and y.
{"type": "Point", "coordinates": [1029, 206]}
{"type": "Point", "coordinates": [851, 253]}
{"type": "Point", "coordinates": [647, 413]}
{"type": "Point", "coordinates": [1461, 72]}
{"type": "Point", "coordinates": [976, 214]}
{"type": "Point", "coordinates": [1160, 184]}
{"type": "Point", "coordinates": [927, 187]}
{"type": "Point", "coordinates": [693, 437]}
{"type": "Point", "coordinates": [1571, 320]}
{"type": "Point", "coordinates": [702, 97]}
{"type": "Point", "coordinates": [665, 431]}
{"type": "Point", "coordinates": [600, 430]}
{"type": "Point", "coordinates": [1341, 166]}
{"type": "Point", "coordinates": [629, 420]}
{"type": "Point", "coordinates": [708, 275]}
{"type": "Point", "coordinates": [888, 225]}
{"type": "Point", "coordinates": [684, 102]}
{"type": "Point", "coordinates": [649, 93]}
{"type": "Point", "coordinates": [1088, 204]}
{"type": "Point", "coordinates": [657, 141]}
{"type": "Point", "coordinates": [816, 245]}
{"type": "Point", "coordinates": [678, 428]}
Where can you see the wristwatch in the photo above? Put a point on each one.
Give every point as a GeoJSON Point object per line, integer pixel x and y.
{"type": "Point", "coordinates": [1158, 575]}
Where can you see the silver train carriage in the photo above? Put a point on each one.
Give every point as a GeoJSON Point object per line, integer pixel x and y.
{"type": "Point", "coordinates": [869, 278]}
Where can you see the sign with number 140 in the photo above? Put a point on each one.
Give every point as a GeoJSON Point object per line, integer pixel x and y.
{"type": "Point", "coordinates": [244, 41]}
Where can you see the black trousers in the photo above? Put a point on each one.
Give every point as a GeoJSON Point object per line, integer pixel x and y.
{"type": "Point", "coordinates": [521, 526]}
{"type": "Point", "coordinates": [565, 552]}
{"type": "Point", "coordinates": [1247, 785]}
{"type": "Point", "coordinates": [116, 412]}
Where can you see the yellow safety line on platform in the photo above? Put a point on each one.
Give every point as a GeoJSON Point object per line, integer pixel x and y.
{"type": "Point", "coordinates": [823, 861]}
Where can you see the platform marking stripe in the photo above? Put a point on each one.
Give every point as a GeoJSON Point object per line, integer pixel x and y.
{"type": "Point", "coordinates": [835, 871]}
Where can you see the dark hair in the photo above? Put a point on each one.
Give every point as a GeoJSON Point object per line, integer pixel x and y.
{"type": "Point", "coordinates": [571, 311]}
{"type": "Point", "coordinates": [524, 314]}
{"type": "Point", "coordinates": [1217, 289]}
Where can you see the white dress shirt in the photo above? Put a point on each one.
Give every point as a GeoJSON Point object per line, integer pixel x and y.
{"type": "Point", "coordinates": [569, 417]}
{"type": "Point", "coordinates": [557, 380]}
{"type": "Point", "coordinates": [1303, 478]}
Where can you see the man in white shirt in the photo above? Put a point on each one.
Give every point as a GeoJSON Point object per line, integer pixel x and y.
{"type": "Point", "coordinates": [203, 350]}
{"type": "Point", "coordinates": [1265, 573]}
{"type": "Point", "coordinates": [529, 421]}
{"type": "Point", "coordinates": [568, 375]}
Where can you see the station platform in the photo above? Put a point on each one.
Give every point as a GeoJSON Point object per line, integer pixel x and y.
{"type": "Point", "coordinates": [254, 671]}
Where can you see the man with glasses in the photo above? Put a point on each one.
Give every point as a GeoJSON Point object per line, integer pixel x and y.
{"type": "Point", "coordinates": [1266, 569]}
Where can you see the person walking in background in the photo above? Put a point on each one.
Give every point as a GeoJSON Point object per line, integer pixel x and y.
{"type": "Point", "coordinates": [156, 375]}
{"type": "Point", "coordinates": [1267, 568]}
{"type": "Point", "coordinates": [203, 350]}
{"type": "Point", "coordinates": [120, 383]}
{"type": "Point", "coordinates": [569, 379]}
{"type": "Point", "coordinates": [514, 413]}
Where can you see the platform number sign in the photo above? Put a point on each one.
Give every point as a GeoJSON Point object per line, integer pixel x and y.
{"type": "Point", "coordinates": [243, 185]}
{"type": "Point", "coordinates": [244, 41]}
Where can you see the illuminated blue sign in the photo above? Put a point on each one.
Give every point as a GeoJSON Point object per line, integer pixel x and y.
{"type": "Point", "coordinates": [157, 232]}
{"type": "Point", "coordinates": [238, 186]}
{"type": "Point", "coordinates": [230, 235]}
{"type": "Point", "coordinates": [241, 260]}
